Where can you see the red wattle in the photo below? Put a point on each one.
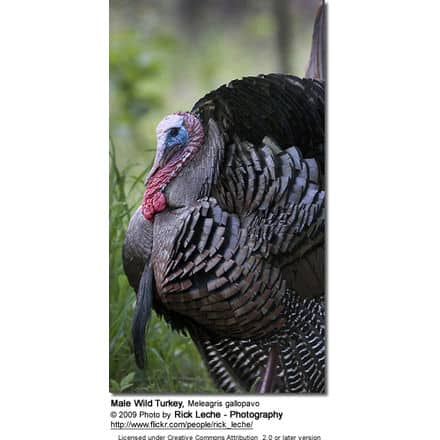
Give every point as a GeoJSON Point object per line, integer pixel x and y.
{"type": "Point", "coordinates": [154, 204]}
{"type": "Point", "coordinates": [154, 200]}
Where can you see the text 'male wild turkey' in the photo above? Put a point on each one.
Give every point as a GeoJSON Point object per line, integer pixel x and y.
{"type": "Point", "coordinates": [228, 244]}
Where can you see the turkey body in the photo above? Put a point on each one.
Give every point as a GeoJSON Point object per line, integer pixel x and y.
{"type": "Point", "coordinates": [237, 257]}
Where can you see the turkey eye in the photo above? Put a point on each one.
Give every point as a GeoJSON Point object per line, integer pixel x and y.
{"type": "Point", "coordinates": [174, 132]}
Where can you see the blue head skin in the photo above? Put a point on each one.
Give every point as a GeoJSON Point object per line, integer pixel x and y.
{"type": "Point", "coordinates": [172, 136]}
{"type": "Point", "coordinates": [176, 136]}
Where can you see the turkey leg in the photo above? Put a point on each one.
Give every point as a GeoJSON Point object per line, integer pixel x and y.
{"type": "Point", "coordinates": [269, 373]}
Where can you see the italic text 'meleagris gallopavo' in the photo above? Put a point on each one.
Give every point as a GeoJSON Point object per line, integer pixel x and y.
{"type": "Point", "coordinates": [228, 244]}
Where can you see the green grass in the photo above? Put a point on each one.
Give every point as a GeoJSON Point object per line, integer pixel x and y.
{"type": "Point", "coordinates": [173, 362]}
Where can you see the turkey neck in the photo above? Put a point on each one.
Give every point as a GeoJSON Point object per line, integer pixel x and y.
{"type": "Point", "coordinates": [166, 226]}
{"type": "Point", "coordinates": [197, 177]}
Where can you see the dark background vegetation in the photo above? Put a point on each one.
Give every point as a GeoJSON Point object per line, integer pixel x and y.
{"type": "Point", "coordinates": [164, 55]}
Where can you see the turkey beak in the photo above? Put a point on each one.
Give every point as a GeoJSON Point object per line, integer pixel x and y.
{"type": "Point", "coordinates": [158, 159]}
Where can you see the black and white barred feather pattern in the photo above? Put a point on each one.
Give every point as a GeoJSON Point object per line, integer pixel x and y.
{"type": "Point", "coordinates": [235, 365]}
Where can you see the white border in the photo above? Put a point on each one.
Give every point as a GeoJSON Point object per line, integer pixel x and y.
{"type": "Point", "coordinates": [383, 226]}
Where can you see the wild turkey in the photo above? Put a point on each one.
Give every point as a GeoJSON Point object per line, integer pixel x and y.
{"type": "Point", "coordinates": [229, 241]}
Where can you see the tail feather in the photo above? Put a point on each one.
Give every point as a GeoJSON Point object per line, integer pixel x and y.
{"type": "Point", "coordinates": [317, 61]}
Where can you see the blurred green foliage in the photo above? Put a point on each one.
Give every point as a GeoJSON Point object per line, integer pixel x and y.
{"type": "Point", "coordinates": [138, 76]}
{"type": "Point", "coordinates": [157, 69]}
